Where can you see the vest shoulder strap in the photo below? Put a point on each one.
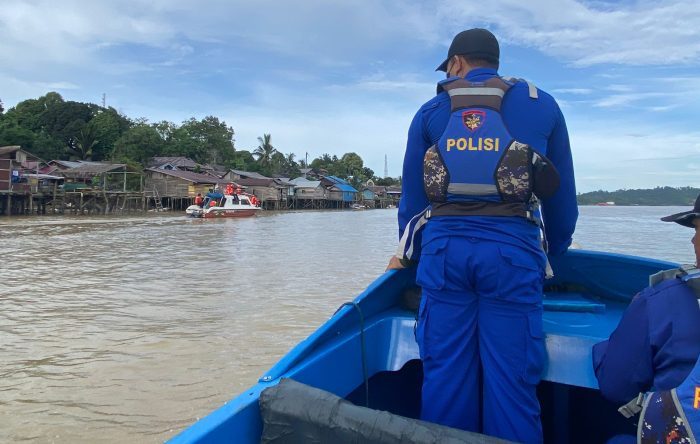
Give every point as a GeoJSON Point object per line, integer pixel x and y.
{"type": "Point", "coordinates": [532, 89]}
{"type": "Point", "coordinates": [689, 274]}
{"type": "Point", "coordinates": [466, 94]}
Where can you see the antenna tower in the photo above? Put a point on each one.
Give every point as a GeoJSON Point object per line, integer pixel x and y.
{"type": "Point", "coordinates": [386, 167]}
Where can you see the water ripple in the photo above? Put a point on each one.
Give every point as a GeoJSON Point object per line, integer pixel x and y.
{"type": "Point", "coordinates": [129, 329]}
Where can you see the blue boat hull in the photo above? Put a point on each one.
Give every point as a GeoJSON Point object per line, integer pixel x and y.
{"type": "Point", "coordinates": [583, 304]}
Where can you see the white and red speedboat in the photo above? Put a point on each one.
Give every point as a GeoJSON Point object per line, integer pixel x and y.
{"type": "Point", "coordinates": [218, 205]}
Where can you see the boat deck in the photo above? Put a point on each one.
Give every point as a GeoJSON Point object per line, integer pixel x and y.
{"type": "Point", "coordinates": [570, 335]}
{"type": "Point", "coordinates": [367, 352]}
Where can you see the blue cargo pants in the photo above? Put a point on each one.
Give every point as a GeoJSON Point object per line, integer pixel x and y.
{"type": "Point", "coordinates": [480, 336]}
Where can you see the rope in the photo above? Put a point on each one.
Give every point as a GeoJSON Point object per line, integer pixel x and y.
{"type": "Point", "coordinates": [362, 346]}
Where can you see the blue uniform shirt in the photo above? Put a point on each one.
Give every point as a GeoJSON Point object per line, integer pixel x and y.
{"type": "Point", "coordinates": [537, 122]}
{"type": "Point", "coordinates": [655, 345]}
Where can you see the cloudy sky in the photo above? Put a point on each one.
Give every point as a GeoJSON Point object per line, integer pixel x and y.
{"type": "Point", "coordinates": [348, 75]}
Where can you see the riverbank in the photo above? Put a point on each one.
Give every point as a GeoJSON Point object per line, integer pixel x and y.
{"type": "Point", "coordinates": [659, 196]}
{"type": "Point", "coordinates": [100, 202]}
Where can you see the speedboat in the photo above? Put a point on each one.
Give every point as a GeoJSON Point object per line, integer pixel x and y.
{"type": "Point", "coordinates": [361, 370]}
{"type": "Point", "coordinates": [218, 205]}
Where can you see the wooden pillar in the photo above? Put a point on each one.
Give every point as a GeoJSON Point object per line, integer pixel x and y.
{"type": "Point", "coordinates": [8, 209]}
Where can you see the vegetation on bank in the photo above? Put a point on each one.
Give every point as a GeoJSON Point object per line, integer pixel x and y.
{"type": "Point", "coordinates": [53, 128]}
{"type": "Point", "coordinates": [683, 196]}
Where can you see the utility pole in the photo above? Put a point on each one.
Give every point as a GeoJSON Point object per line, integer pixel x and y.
{"type": "Point", "coordinates": [386, 167]}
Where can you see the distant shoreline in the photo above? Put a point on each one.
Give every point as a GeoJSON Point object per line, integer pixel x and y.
{"type": "Point", "coordinates": [659, 196]}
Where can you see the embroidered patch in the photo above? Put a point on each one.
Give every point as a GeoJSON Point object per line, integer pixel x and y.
{"type": "Point", "coordinates": [473, 119]}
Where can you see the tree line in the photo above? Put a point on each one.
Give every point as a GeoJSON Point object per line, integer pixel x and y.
{"type": "Point", "coordinates": [53, 128]}
{"type": "Point", "coordinates": [682, 196]}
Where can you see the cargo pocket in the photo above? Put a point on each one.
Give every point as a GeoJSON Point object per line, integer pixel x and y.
{"type": "Point", "coordinates": [535, 350]}
{"type": "Point", "coordinates": [520, 278]}
{"type": "Point", "coordinates": [431, 267]}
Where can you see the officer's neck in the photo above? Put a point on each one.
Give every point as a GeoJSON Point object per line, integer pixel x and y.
{"type": "Point", "coordinates": [476, 72]}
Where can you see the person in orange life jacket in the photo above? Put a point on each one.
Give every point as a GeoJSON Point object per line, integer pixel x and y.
{"type": "Point", "coordinates": [199, 200]}
{"type": "Point", "coordinates": [657, 341]}
{"type": "Point", "coordinates": [481, 263]}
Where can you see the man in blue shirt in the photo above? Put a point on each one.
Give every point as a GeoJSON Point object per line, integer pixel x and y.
{"type": "Point", "coordinates": [480, 321]}
{"type": "Point", "coordinates": [657, 342]}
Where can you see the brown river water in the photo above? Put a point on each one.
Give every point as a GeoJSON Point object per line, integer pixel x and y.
{"type": "Point", "coordinates": [119, 329]}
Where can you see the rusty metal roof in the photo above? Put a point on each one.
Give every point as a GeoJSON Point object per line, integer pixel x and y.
{"type": "Point", "coordinates": [88, 169]}
{"type": "Point", "coordinates": [176, 161]}
{"type": "Point", "coordinates": [190, 176]}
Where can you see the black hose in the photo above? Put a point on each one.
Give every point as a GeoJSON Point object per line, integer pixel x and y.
{"type": "Point", "coordinates": [362, 346]}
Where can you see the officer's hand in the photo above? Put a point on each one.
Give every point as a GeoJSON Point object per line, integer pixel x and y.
{"type": "Point", "coordinates": [394, 264]}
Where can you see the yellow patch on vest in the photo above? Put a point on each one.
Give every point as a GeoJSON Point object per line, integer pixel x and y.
{"type": "Point", "coordinates": [696, 401]}
{"type": "Point", "coordinates": [470, 144]}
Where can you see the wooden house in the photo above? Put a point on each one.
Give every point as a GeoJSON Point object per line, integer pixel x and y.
{"type": "Point", "coordinates": [86, 171]}
{"type": "Point", "coordinates": [339, 190]}
{"type": "Point", "coordinates": [274, 194]}
{"type": "Point", "coordinates": [180, 184]}
{"type": "Point", "coordinates": [56, 166]}
{"type": "Point", "coordinates": [14, 164]}
{"type": "Point", "coordinates": [236, 175]}
{"type": "Point", "coordinates": [393, 193]}
{"type": "Point", "coordinates": [309, 193]}
{"type": "Point", "coordinates": [369, 193]}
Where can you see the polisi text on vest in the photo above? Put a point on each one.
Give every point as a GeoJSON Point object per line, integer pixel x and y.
{"type": "Point", "coordinates": [469, 144]}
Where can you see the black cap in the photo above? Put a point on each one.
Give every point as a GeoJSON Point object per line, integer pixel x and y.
{"type": "Point", "coordinates": [477, 42]}
{"type": "Point", "coordinates": [685, 218]}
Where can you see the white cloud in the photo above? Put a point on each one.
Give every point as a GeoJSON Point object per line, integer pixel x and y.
{"type": "Point", "coordinates": [639, 33]}
{"type": "Point", "coordinates": [576, 91]}
{"type": "Point", "coordinates": [334, 76]}
{"type": "Point", "coordinates": [619, 154]}
{"type": "Point", "coordinates": [26, 89]}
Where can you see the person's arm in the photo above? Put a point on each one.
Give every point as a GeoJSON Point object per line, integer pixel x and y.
{"type": "Point", "coordinates": [560, 211]}
{"type": "Point", "coordinates": [413, 197]}
{"type": "Point", "coordinates": [624, 363]}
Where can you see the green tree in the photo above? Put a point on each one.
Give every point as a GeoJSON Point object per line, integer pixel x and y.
{"type": "Point", "coordinates": [327, 163]}
{"type": "Point", "coordinates": [13, 134]}
{"type": "Point", "coordinates": [349, 167]}
{"type": "Point", "coordinates": [352, 164]}
{"type": "Point", "coordinates": [386, 181]}
{"type": "Point", "coordinates": [205, 141]}
{"type": "Point", "coordinates": [290, 158]}
{"type": "Point", "coordinates": [265, 151]}
{"type": "Point", "coordinates": [138, 144]}
{"type": "Point", "coordinates": [243, 160]}
{"type": "Point", "coordinates": [108, 126]}
{"type": "Point", "coordinates": [84, 142]}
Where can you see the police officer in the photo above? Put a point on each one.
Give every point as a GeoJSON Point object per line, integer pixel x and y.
{"type": "Point", "coordinates": [482, 264]}
{"type": "Point", "coordinates": [657, 341]}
